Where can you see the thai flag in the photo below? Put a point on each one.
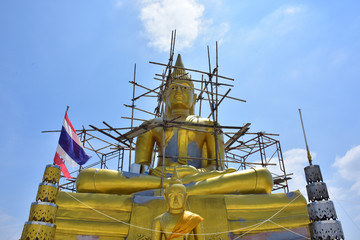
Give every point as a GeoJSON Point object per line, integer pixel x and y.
{"type": "Point", "coordinates": [69, 148]}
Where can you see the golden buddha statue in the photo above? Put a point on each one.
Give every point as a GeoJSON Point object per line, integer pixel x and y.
{"type": "Point", "coordinates": [177, 223]}
{"type": "Point", "coordinates": [234, 204]}
{"type": "Point", "coordinates": [190, 147]}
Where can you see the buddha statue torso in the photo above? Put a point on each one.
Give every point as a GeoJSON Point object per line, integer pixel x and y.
{"type": "Point", "coordinates": [187, 145]}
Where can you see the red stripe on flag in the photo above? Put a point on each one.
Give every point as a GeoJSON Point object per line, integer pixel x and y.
{"type": "Point", "coordinates": [69, 123]}
{"type": "Point", "coordinates": [60, 163]}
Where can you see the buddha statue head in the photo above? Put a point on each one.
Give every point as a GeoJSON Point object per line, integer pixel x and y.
{"type": "Point", "coordinates": [180, 94]}
{"type": "Point", "coordinates": [175, 194]}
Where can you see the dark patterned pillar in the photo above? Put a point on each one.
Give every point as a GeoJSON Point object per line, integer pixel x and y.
{"type": "Point", "coordinates": [324, 224]}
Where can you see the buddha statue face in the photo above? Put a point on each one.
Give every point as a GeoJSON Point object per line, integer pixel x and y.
{"type": "Point", "coordinates": [181, 97]}
{"type": "Point", "coordinates": [175, 196]}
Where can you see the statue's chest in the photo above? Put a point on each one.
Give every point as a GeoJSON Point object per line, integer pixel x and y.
{"type": "Point", "coordinates": [168, 223]}
{"type": "Point", "coordinates": [183, 144]}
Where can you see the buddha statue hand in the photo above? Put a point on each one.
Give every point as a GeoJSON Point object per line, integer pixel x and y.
{"type": "Point", "coordinates": [185, 170]}
{"type": "Point", "coordinates": [182, 170]}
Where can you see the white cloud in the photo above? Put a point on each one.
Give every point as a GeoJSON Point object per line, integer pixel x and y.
{"type": "Point", "coordinates": [160, 17]}
{"type": "Point", "coordinates": [345, 197]}
{"type": "Point", "coordinates": [119, 3]}
{"type": "Point", "coordinates": [289, 10]}
{"type": "Point", "coordinates": [276, 24]}
{"type": "Point", "coordinates": [215, 32]}
{"type": "Point", "coordinates": [349, 167]}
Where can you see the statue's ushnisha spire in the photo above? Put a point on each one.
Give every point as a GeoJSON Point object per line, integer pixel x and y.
{"type": "Point", "coordinates": [179, 73]}
{"type": "Point", "coordinates": [179, 62]}
{"type": "Point", "coordinates": [175, 178]}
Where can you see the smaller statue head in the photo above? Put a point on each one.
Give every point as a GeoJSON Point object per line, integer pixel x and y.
{"type": "Point", "coordinates": [175, 194]}
{"type": "Point", "coordinates": [180, 95]}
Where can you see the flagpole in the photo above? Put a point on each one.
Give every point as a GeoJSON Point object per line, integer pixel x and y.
{"type": "Point", "coordinates": [58, 160]}
{"type": "Point", "coordinates": [307, 147]}
{"type": "Point", "coordinates": [67, 109]}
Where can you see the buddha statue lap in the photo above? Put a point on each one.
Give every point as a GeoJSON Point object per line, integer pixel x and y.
{"type": "Point", "coordinates": [189, 147]}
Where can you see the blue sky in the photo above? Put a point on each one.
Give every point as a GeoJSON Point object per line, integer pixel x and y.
{"type": "Point", "coordinates": [284, 55]}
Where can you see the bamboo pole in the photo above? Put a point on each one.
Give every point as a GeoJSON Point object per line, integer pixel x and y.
{"type": "Point", "coordinates": [221, 95]}
{"type": "Point", "coordinates": [192, 70]}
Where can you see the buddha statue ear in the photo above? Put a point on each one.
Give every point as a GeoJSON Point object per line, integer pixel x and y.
{"type": "Point", "coordinates": [166, 201]}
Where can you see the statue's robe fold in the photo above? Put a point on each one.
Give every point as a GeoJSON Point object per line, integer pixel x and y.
{"type": "Point", "coordinates": [186, 223]}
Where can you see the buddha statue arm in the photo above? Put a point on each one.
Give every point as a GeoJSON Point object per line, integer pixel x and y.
{"type": "Point", "coordinates": [156, 233]}
{"type": "Point", "coordinates": [211, 150]}
{"type": "Point", "coordinates": [198, 233]}
{"type": "Point", "coordinates": [144, 148]}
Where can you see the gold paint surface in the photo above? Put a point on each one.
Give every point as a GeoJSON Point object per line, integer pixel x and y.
{"type": "Point", "coordinates": [212, 208]}
{"type": "Point", "coordinates": [263, 201]}
{"type": "Point", "coordinates": [84, 214]}
{"type": "Point", "coordinates": [201, 183]}
{"type": "Point", "coordinates": [241, 182]}
{"type": "Point", "coordinates": [111, 181]}
{"type": "Point", "coordinates": [244, 211]}
{"type": "Point", "coordinates": [95, 200]}
{"type": "Point", "coordinates": [74, 218]}
{"type": "Point", "coordinates": [74, 226]}
{"type": "Point", "coordinates": [221, 213]}
{"type": "Point", "coordinates": [145, 209]}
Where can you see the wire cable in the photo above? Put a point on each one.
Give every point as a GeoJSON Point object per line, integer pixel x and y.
{"type": "Point", "coordinates": [254, 226]}
{"type": "Point", "coordinates": [347, 214]}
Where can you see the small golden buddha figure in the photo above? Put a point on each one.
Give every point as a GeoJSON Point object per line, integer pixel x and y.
{"type": "Point", "coordinates": [189, 147]}
{"type": "Point", "coordinates": [177, 223]}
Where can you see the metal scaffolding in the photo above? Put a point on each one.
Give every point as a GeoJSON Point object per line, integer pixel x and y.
{"type": "Point", "coordinates": [242, 149]}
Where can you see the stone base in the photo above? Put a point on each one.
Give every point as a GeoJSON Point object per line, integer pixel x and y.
{"type": "Point", "coordinates": [110, 216]}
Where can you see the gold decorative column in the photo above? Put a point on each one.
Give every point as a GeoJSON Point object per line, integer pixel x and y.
{"type": "Point", "coordinates": [41, 223]}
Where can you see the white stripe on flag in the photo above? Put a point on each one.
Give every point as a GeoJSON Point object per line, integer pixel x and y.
{"type": "Point", "coordinates": [66, 157]}
{"type": "Point", "coordinates": [72, 134]}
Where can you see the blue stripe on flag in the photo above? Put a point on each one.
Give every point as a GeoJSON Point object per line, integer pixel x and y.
{"type": "Point", "coordinates": [75, 151]}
